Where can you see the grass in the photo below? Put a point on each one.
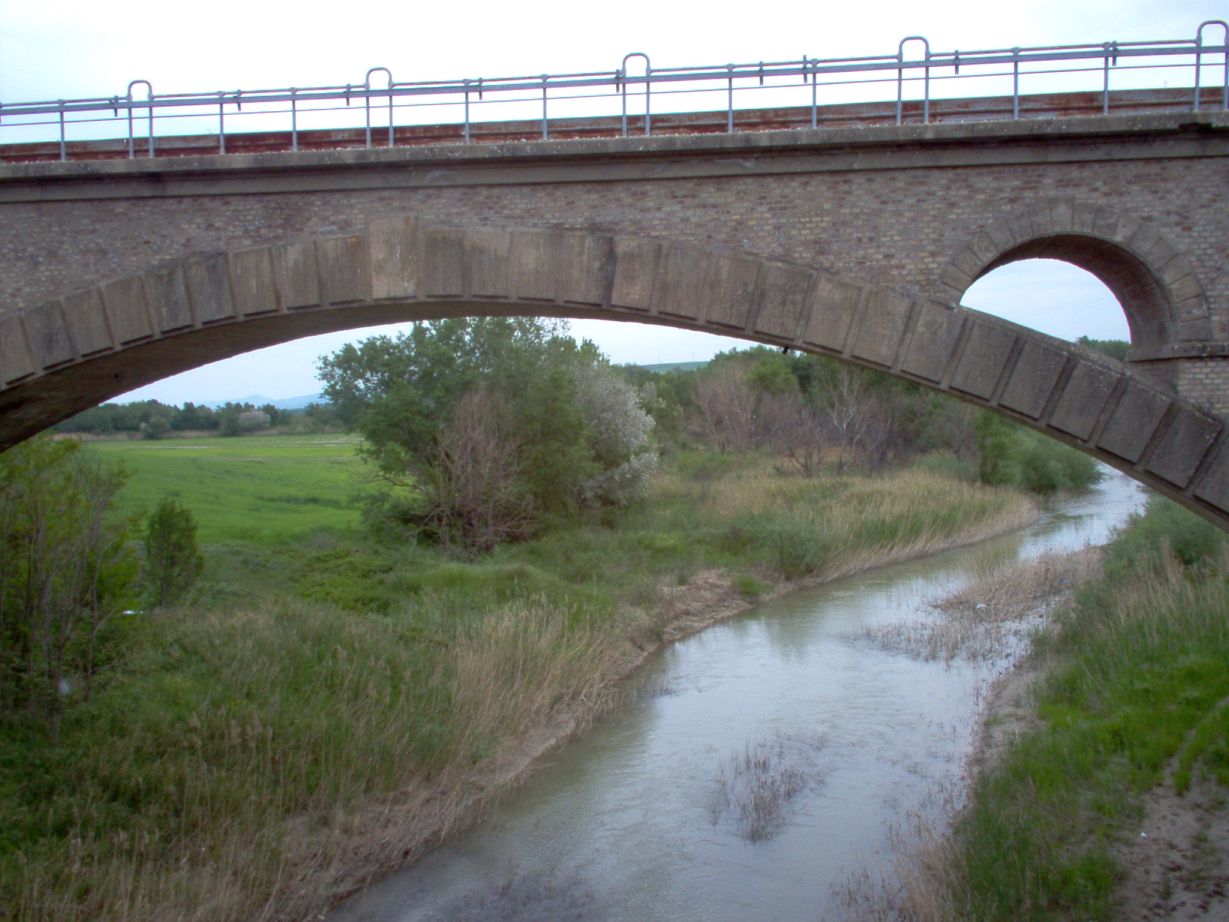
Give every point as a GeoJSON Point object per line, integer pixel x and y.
{"type": "Point", "coordinates": [1137, 675]}
{"type": "Point", "coordinates": [755, 788]}
{"type": "Point", "coordinates": [258, 490]}
{"type": "Point", "coordinates": [329, 705]}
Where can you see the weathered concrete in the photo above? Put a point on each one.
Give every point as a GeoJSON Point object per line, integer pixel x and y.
{"type": "Point", "coordinates": [855, 243]}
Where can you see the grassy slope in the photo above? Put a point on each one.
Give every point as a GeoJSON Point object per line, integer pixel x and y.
{"type": "Point", "coordinates": [1136, 670]}
{"type": "Point", "coordinates": [230, 763]}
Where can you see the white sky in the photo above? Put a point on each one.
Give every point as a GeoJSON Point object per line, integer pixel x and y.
{"type": "Point", "coordinates": [83, 48]}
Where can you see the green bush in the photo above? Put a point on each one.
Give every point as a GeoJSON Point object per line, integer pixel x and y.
{"type": "Point", "coordinates": [172, 561]}
{"type": "Point", "coordinates": [1013, 456]}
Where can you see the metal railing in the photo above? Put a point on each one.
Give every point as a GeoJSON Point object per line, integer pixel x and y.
{"type": "Point", "coordinates": [140, 117]}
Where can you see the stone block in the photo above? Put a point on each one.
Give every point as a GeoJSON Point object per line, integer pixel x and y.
{"type": "Point", "coordinates": [253, 283]}
{"type": "Point", "coordinates": [209, 289]}
{"type": "Point", "coordinates": [87, 322]}
{"type": "Point", "coordinates": [392, 255]}
{"type": "Point", "coordinates": [1033, 379]}
{"type": "Point", "coordinates": [981, 363]}
{"type": "Point", "coordinates": [834, 305]}
{"type": "Point", "coordinates": [534, 265]}
{"type": "Point", "coordinates": [1186, 287]}
{"type": "Point", "coordinates": [124, 300]}
{"type": "Point", "coordinates": [969, 263]}
{"type": "Point", "coordinates": [782, 300]}
{"type": "Point", "coordinates": [487, 251]}
{"type": "Point", "coordinates": [934, 337]}
{"type": "Point", "coordinates": [681, 275]}
{"type": "Point", "coordinates": [1083, 398]}
{"type": "Point", "coordinates": [1192, 308]}
{"type": "Point", "coordinates": [167, 296]}
{"type": "Point", "coordinates": [15, 359]}
{"type": "Point", "coordinates": [731, 288]}
{"type": "Point", "coordinates": [1061, 215]}
{"type": "Point", "coordinates": [1084, 217]}
{"type": "Point", "coordinates": [1135, 417]}
{"type": "Point", "coordinates": [635, 270]}
{"type": "Point", "coordinates": [48, 335]}
{"type": "Point", "coordinates": [1213, 486]}
{"type": "Point", "coordinates": [343, 269]}
{"type": "Point", "coordinates": [443, 263]}
{"type": "Point", "coordinates": [883, 325]}
{"type": "Point", "coordinates": [297, 271]}
{"type": "Point", "coordinates": [984, 249]}
{"type": "Point", "coordinates": [586, 270]}
{"type": "Point", "coordinates": [1182, 447]}
{"type": "Point", "coordinates": [955, 280]}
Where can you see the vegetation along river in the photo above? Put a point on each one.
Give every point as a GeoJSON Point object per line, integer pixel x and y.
{"type": "Point", "coordinates": [759, 767]}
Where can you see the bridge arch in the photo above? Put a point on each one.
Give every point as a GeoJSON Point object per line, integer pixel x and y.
{"type": "Point", "coordinates": [73, 352]}
{"type": "Point", "coordinates": [1158, 289]}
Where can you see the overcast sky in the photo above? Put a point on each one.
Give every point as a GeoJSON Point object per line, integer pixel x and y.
{"type": "Point", "coordinates": [83, 48]}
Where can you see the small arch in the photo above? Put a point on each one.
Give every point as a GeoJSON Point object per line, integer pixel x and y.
{"type": "Point", "coordinates": [1158, 289]}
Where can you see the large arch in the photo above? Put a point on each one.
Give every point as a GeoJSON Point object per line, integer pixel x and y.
{"type": "Point", "coordinates": [1160, 292]}
{"type": "Point", "coordinates": [73, 352]}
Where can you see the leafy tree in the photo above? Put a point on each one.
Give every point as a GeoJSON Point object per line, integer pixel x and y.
{"type": "Point", "coordinates": [464, 409]}
{"type": "Point", "coordinates": [64, 570]}
{"type": "Point", "coordinates": [172, 561]}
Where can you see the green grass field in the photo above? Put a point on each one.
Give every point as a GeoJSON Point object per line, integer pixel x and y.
{"type": "Point", "coordinates": [258, 489]}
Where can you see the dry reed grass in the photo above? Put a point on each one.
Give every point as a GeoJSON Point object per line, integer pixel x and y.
{"type": "Point", "coordinates": [993, 616]}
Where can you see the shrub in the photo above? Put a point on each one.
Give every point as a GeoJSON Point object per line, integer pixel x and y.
{"type": "Point", "coordinates": [172, 561]}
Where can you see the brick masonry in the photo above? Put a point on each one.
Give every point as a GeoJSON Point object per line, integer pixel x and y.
{"type": "Point", "coordinates": [856, 243]}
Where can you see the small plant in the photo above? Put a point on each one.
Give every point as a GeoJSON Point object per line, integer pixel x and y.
{"type": "Point", "coordinates": [755, 787]}
{"type": "Point", "coordinates": [172, 561]}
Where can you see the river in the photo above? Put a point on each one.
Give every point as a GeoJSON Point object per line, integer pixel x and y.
{"type": "Point", "coordinates": [639, 818]}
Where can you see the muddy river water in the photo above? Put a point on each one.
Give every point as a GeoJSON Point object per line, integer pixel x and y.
{"type": "Point", "coordinates": [760, 769]}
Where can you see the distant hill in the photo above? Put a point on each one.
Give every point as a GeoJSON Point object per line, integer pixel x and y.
{"type": "Point", "coordinates": [664, 367]}
{"type": "Point", "coordinates": [284, 403]}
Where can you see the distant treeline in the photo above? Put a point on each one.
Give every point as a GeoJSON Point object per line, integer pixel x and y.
{"type": "Point", "coordinates": [153, 420]}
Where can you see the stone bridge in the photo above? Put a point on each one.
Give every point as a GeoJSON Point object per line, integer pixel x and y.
{"type": "Point", "coordinates": [852, 242]}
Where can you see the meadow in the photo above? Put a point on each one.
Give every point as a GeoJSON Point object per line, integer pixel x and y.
{"type": "Point", "coordinates": [259, 490]}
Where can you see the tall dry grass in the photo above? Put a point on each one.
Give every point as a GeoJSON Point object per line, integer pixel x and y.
{"type": "Point", "coordinates": [992, 617]}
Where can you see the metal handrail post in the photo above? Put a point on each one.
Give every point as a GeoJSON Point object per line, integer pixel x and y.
{"type": "Point", "coordinates": [1015, 83]}
{"type": "Point", "coordinates": [1111, 50]}
{"type": "Point", "coordinates": [221, 122]}
{"type": "Point", "coordinates": [465, 132]}
{"type": "Point", "coordinates": [729, 105]}
{"type": "Point", "coordinates": [294, 122]}
{"type": "Point", "coordinates": [367, 101]}
{"type": "Point", "coordinates": [900, 77]}
{"type": "Point", "coordinates": [149, 90]}
{"type": "Point", "coordinates": [63, 146]}
{"type": "Point", "coordinates": [621, 76]}
{"type": "Point", "coordinates": [814, 89]}
{"type": "Point", "coordinates": [545, 125]}
{"type": "Point", "coordinates": [1224, 99]}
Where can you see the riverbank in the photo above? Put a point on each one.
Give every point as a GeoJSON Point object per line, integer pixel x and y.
{"type": "Point", "coordinates": [329, 710]}
{"type": "Point", "coordinates": [1100, 782]}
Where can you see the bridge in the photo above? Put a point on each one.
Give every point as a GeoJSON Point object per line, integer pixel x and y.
{"type": "Point", "coordinates": [850, 229]}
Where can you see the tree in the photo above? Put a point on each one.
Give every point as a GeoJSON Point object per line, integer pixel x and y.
{"type": "Point", "coordinates": [64, 570]}
{"type": "Point", "coordinates": [172, 561]}
{"type": "Point", "coordinates": [486, 413]}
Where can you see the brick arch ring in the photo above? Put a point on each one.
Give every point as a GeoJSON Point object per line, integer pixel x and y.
{"type": "Point", "coordinates": [73, 352]}
{"type": "Point", "coordinates": [1157, 287]}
